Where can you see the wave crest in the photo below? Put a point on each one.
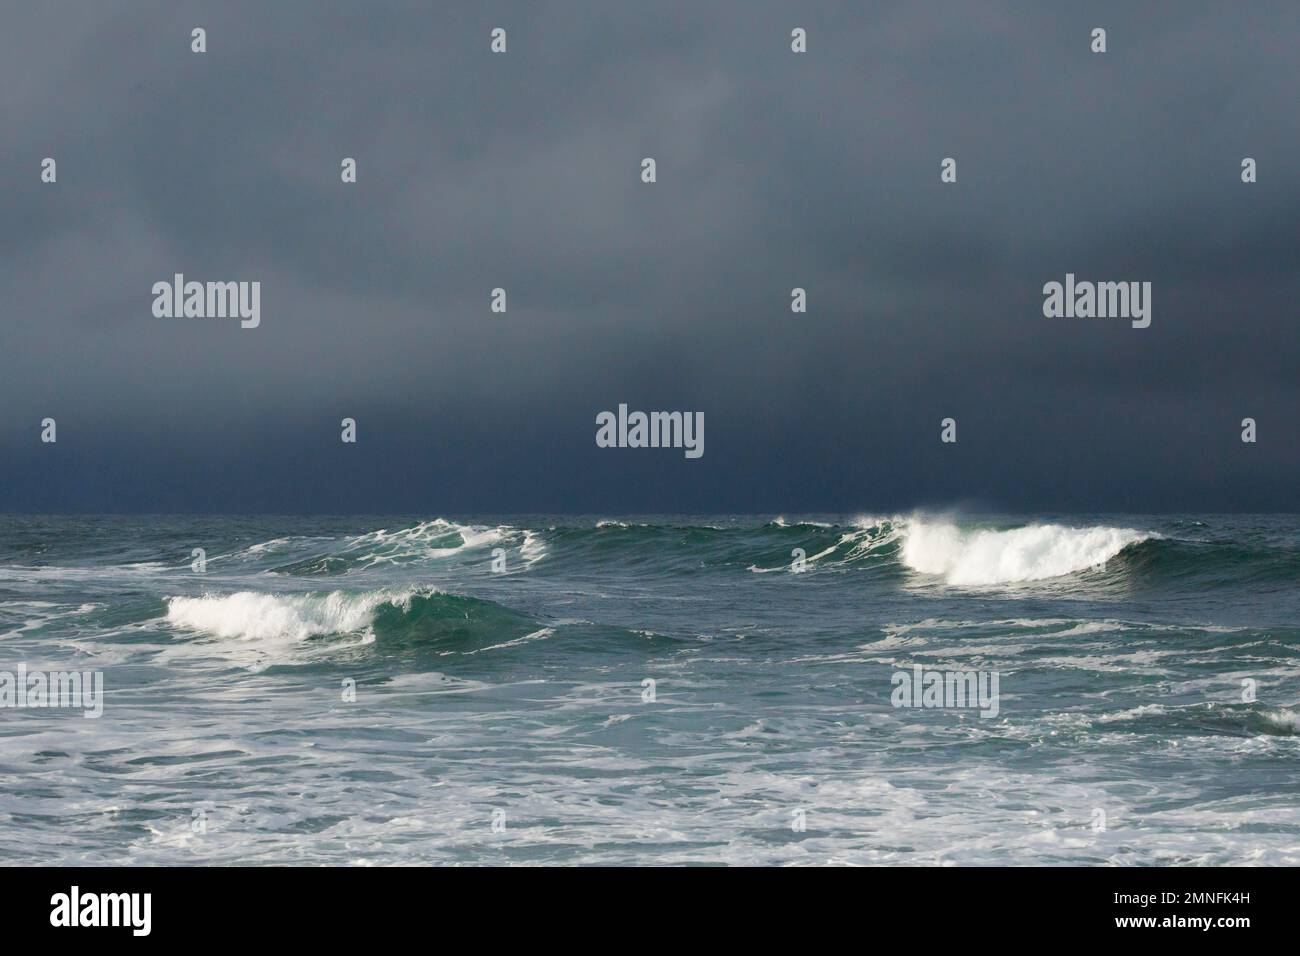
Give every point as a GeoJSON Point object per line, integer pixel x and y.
{"type": "Point", "coordinates": [250, 615]}
{"type": "Point", "coordinates": [963, 556]}
{"type": "Point", "coordinates": [394, 621]}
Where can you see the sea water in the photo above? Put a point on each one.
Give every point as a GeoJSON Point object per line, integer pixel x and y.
{"type": "Point", "coordinates": [654, 690]}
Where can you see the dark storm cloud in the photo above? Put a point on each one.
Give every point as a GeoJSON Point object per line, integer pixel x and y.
{"type": "Point", "coordinates": [775, 171]}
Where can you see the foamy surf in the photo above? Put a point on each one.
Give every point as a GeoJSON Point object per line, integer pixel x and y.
{"type": "Point", "coordinates": [248, 615]}
{"type": "Point", "coordinates": [971, 557]}
{"type": "Point", "coordinates": [279, 627]}
{"type": "Point", "coordinates": [976, 557]}
{"type": "Point", "coordinates": [306, 665]}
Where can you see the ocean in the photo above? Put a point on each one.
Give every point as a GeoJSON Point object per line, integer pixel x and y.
{"type": "Point", "coordinates": [545, 689]}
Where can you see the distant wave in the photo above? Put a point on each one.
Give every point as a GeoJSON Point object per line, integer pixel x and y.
{"type": "Point", "coordinates": [963, 556]}
{"type": "Point", "coordinates": [438, 538]}
{"type": "Point", "coordinates": [939, 548]}
{"type": "Point", "coordinates": [434, 540]}
{"type": "Point", "coordinates": [922, 549]}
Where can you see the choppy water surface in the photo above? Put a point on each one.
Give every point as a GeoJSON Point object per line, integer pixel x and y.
{"type": "Point", "coordinates": [1127, 648]}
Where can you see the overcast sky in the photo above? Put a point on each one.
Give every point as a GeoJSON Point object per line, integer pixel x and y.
{"type": "Point", "coordinates": [522, 171]}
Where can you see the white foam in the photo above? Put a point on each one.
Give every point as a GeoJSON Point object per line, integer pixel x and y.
{"type": "Point", "coordinates": [533, 548]}
{"type": "Point", "coordinates": [249, 615]}
{"type": "Point", "coordinates": [1032, 553]}
{"type": "Point", "coordinates": [1283, 719]}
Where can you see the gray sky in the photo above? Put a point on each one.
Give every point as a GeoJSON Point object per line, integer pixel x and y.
{"type": "Point", "coordinates": [775, 170]}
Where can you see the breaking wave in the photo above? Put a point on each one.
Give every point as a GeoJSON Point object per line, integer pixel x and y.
{"type": "Point", "coordinates": [977, 557]}
{"type": "Point", "coordinates": [417, 621]}
{"type": "Point", "coordinates": [250, 615]}
{"type": "Point", "coordinates": [390, 616]}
